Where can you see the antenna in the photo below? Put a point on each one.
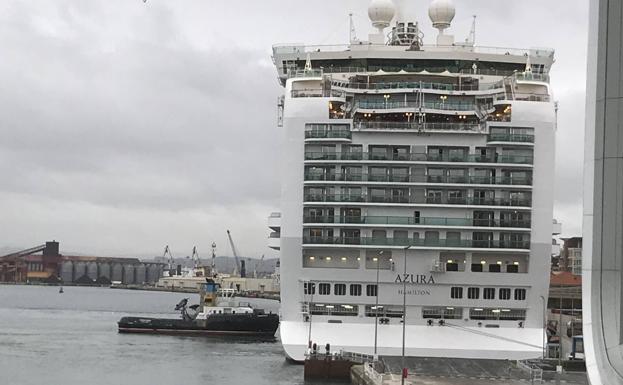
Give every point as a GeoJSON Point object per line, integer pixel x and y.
{"type": "Point", "coordinates": [213, 266]}
{"type": "Point", "coordinates": [353, 33]}
{"type": "Point", "coordinates": [471, 39]}
{"type": "Point", "coordinates": [528, 65]}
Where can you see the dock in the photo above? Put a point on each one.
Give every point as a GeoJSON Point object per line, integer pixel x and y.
{"type": "Point", "coordinates": [458, 371]}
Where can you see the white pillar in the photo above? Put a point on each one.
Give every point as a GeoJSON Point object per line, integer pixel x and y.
{"type": "Point", "coordinates": [603, 196]}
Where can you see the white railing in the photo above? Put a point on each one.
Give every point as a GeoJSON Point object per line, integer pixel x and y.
{"type": "Point", "coordinates": [302, 49]}
{"type": "Point", "coordinates": [356, 357]}
{"type": "Point", "coordinates": [418, 126]}
{"type": "Point", "coordinates": [536, 373]}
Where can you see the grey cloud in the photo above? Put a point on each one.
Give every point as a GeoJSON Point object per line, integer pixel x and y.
{"type": "Point", "coordinates": [128, 125]}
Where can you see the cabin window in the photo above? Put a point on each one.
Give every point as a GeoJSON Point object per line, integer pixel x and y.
{"type": "Point", "coordinates": [473, 292]}
{"type": "Point", "coordinates": [309, 288]}
{"type": "Point", "coordinates": [488, 293]}
{"type": "Point", "coordinates": [324, 289]}
{"type": "Point", "coordinates": [477, 267]}
{"type": "Point", "coordinates": [371, 290]}
{"type": "Point", "coordinates": [355, 290]}
{"type": "Point", "coordinates": [452, 266]}
{"type": "Point", "coordinates": [495, 268]}
{"type": "Point", "coordinates": [456, 292]}
{"type": "Point", "coordinates": [505, 294]}
{"type": "Point", "coordinates": [520, 294]}
{"type": "Point", "coordinates": [340, 289]}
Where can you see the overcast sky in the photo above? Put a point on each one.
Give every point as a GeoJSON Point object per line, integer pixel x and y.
{"type": "Point", "coordinates": [126, 126]}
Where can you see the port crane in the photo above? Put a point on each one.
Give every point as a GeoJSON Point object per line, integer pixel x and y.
{"type": "Point", "coordinates": [257, 266]}
{"type": "Point", "coordinates": [167, 251]}
{"type": "Point", "coordinates": [239, 266]}
{"type": "Point", "coordinates": [195, 258]}
{"type": "Point", "coordinates": [19, 254]}
{"type": "Point", "coordinates": [213, 265]}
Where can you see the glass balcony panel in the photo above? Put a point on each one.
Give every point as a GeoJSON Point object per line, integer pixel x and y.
{"type": "Point", "coordinates": [504, 137]}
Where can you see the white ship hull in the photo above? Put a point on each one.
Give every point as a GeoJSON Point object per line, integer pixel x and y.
{"type": "Point", "coordinates": [424, 341]}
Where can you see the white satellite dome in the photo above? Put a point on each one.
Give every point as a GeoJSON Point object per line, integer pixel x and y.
{"type": "Point", "coordinates": [441, 13]}
{"type": "Point", "coordinates": [381, 13]}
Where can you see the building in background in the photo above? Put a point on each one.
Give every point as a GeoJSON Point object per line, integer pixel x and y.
{"type": "Point", "coordinates": [571, 255]}
{"type": "Point", "coordinates": [28, 266]}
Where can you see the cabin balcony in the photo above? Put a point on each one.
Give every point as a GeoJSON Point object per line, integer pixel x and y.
{"type": "Point", "coordinates": [512, 245]}
{"type": "Point", "coordinates": [415, 221]}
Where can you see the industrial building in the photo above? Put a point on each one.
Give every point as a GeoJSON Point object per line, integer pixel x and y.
{"type": "Point", "coordinates": [28, 266]}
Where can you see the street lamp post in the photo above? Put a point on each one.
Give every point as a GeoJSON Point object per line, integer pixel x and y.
{"type": "Point", "coordinates": [544, 326]}
{"type": "Point", "coordinates": [386, 97]}
{"type": "Point", "coordinates": [404, 315]}
{"type": "Point", "coordinates": [376, 305]}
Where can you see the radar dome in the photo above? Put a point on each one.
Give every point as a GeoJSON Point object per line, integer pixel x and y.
{"type": "Point", "coordinates": [441, 13]}
{"type": "Point", "coordinates": [381, 13]}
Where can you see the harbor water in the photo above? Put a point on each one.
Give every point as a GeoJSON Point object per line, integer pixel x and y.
{"type": "Point", "coordinates": [71, 338]}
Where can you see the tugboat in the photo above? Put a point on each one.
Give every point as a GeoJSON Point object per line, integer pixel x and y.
{"type": "Point", "coordinates": [218, 314]}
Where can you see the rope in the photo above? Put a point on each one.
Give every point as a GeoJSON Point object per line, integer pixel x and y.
{"type": "Point", "coordinates": [492, 335]}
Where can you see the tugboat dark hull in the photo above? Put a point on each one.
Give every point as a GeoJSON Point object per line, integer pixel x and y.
{"type": "Point", "coordinates": [261, 325]}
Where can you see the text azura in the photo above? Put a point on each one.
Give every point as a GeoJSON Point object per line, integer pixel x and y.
{"type": "Point", "coordinates": [421, 279]}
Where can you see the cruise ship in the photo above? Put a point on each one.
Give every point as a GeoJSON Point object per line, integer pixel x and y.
{"type": "Point", "coordinates": [416, 187]}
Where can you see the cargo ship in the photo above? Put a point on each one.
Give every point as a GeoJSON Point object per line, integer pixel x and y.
{"type": "Point", "coordinates": [218, 314]}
